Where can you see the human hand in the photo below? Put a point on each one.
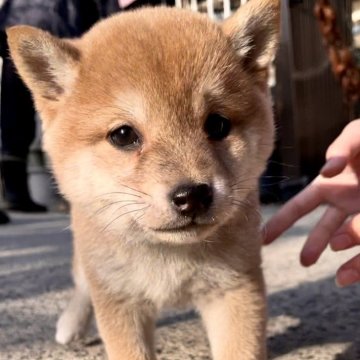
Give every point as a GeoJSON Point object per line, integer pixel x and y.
{"type": "Point", "coordinates": [338, 187]}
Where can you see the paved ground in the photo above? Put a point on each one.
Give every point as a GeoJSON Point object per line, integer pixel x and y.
{"type": "Point", "coordinates": [309, 317]}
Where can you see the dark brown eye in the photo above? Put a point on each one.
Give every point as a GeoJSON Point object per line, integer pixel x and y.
{"type": "Point", "coordinates": [217, 127]}
{"type": "Point", "coordinates": [125, 138]}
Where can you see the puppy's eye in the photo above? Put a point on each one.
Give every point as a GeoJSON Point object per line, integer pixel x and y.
{"type": "Point", "coordinates": [125, 138]}
{"type": "Point", "coordinates": [217, 127]}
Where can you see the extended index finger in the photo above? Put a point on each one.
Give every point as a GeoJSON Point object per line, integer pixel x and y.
{"type": "Point", "coordinates": [303, 203]}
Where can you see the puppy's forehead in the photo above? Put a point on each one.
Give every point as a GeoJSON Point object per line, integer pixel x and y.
{"type": "Point", "coordinates": [157, 51]}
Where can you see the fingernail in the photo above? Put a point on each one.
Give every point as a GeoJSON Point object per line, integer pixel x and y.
{"type": "Point", "coordinates": [333, 166]}
{"type": "Point", "coordinates": [347, 277]}
{"type": "Point", "coordinates": [340, 242]}
{"type": "Point", "coordinates": [308, 257]}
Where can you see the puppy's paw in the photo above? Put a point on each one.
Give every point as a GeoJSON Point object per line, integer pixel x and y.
{"type": "Point", "coordinates": [73, 323]}
{"type": "Point", "coordinates": [68, 328]}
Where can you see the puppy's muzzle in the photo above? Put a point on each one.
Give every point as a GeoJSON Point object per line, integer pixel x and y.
{"type": "Point", "coordinates": [192, 200]}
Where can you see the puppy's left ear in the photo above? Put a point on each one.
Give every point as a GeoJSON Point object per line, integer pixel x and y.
{"type": "Point", "coordinates": [254, 31]}
{"type": "Point", "coordinates": [47, 65]}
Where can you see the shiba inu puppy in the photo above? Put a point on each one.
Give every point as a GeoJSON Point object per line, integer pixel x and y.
{"type": "Point", "coordinates": [158, 123]}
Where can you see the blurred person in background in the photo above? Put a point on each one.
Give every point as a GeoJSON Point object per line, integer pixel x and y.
{"type": "Point", "coordinates": [63, 18]}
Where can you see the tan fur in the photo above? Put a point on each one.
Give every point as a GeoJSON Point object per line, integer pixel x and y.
{"type": "Point", "coordinates": [161, 71]}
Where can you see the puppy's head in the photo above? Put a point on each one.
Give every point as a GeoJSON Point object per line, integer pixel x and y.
{"type": "Point", "coordinates": [156, 120]}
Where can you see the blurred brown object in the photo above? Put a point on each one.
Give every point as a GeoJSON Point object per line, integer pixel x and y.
{"type": "Point", "coordinates": [341, 58]}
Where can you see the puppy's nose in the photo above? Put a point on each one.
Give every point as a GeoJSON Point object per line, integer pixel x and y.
{"type": "Point", "coordinates": [191, 200]}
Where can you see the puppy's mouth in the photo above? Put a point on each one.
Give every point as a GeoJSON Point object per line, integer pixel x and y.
{"type": "Point", "coordinates": [188, 226]}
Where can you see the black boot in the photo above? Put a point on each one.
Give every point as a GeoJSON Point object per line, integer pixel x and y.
{"type": "Point", "coordinates": [15, 187]}
{"type": "Point", "coordinates": [4, 219]}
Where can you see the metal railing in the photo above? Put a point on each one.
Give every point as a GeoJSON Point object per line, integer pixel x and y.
{"type": "Point", "coordinates": [215, 9]}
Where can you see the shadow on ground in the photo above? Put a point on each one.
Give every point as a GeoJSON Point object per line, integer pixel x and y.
{"type": "Point", "coordinates": [35, 282]}
{"type": "Point", "coordinates": [324, 315]}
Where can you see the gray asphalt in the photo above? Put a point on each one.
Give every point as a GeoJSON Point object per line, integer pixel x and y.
{"type": "Point", "coordinates": [309, 317]}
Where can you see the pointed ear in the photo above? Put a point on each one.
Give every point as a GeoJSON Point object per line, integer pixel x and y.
{"type": "Point", "coordinates": [47, 64]}
{"type": "Point", "coordinates": [254, 31]}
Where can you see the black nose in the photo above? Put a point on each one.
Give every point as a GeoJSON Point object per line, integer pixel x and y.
{"type": "Point", "coordinates": [191, 200]}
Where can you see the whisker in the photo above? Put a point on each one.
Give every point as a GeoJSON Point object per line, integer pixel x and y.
{"type": "Point", "coordinates": [208, 241]}
{"type": "Point", "coordinates": [139, 217]}
{"type": "Point", "coordinates": [242, 180]}
{"type": "Point", "coordinates": [134, 221]}
{"type": "Point", "coordinates": [121, 215]}
{"type": "Point", "coordinates": [243, 188]}
{"type": "Point", "coordinates": [282, 177]}
{"type": "Point", "coordinates": [141, 192]}
{"type": "Point", "coordinates": [281, 180]}
{"type": "Point", "coordinates": [282, 164]}
{"type": "Point", "coordinates": [103, 208]}
{"type": "Point", "coordinates": [246, 205]}
{"type": "Point", "coordinates": [135, 203]}
{"type": "Point", "coordinates": [118, 192]}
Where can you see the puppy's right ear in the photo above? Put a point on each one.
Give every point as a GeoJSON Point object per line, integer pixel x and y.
{"type": "Point", "coordinates": [254, 31]}
{"type": "Point", "coordinates": [47, 65]}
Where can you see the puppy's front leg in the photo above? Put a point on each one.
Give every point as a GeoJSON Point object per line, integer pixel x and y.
{"type": "Point", "coordinates": [236, 321]}
{"type": "Point", "coordinates": [126, 328]}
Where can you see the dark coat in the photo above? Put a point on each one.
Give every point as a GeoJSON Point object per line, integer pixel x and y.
{"type": "Point", "coordinates": [64, 18]}
{"type": "Point", "coordinates": [108, 7]}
